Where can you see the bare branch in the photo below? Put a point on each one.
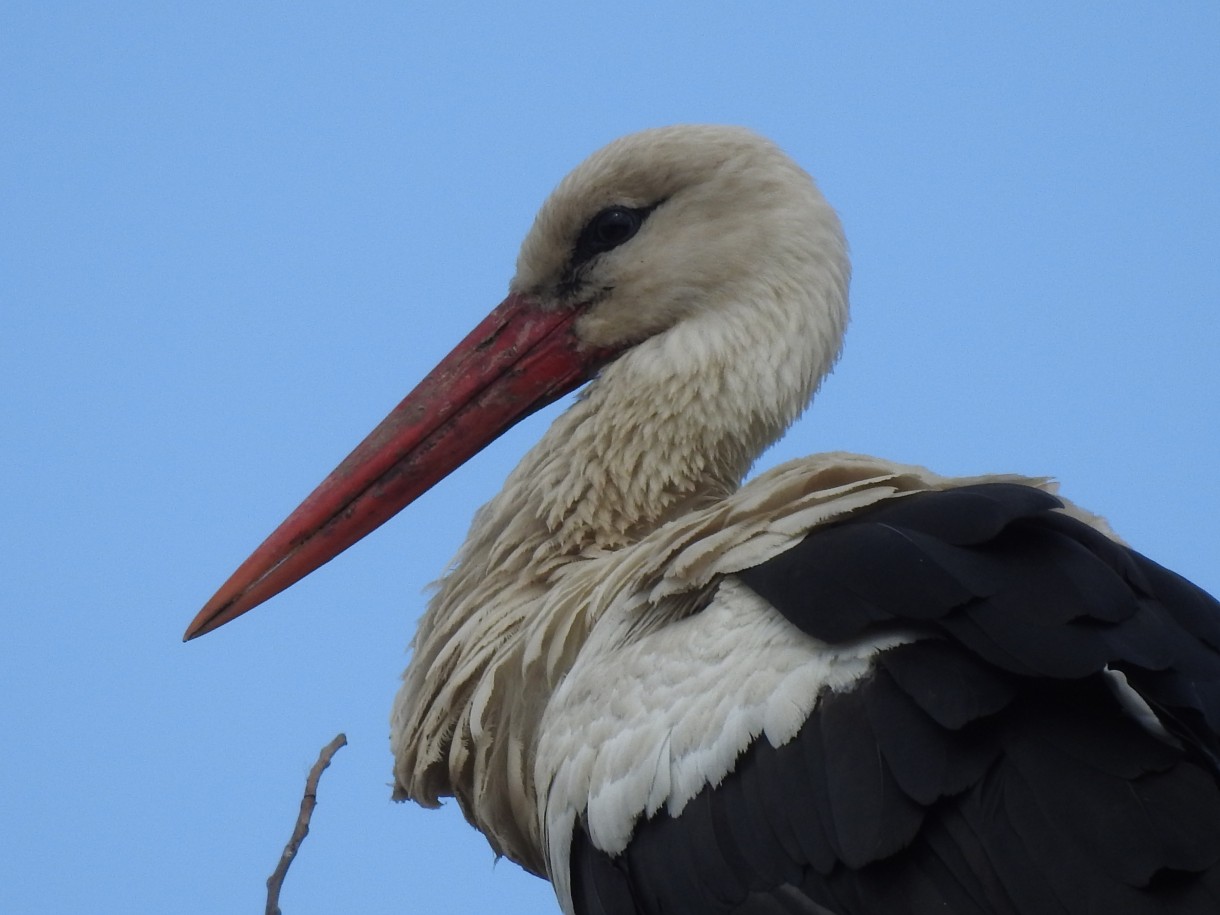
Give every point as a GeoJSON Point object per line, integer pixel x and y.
{"type": "Point", "coordinates": [276, 881]}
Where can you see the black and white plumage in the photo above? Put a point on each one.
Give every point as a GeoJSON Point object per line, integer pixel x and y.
{"type": "Point", "coordinates": [991, 765]}
{"type": "Point", "coordinates": [847, 686]}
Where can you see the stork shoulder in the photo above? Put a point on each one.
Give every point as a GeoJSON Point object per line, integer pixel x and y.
{"type": "Point", "coordinates": [967, 641]}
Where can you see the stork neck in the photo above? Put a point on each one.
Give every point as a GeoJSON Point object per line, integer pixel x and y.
{"type": "Point", "coordinates": [620, 462]}
{"type": "Point", "coordinates": [671, 426]}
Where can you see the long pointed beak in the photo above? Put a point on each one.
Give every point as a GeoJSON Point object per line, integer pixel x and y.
{"type": "Point", "coordinates": [518, 360]}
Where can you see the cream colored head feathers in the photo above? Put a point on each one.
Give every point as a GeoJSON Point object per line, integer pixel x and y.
{"type": "Point", "coordinates": [731, 210]}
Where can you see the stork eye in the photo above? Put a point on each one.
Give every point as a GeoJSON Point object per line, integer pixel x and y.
{"type": "Point", "coordinates": [607, 230]}
{"type": "Point", "coordinates": [614, 226]}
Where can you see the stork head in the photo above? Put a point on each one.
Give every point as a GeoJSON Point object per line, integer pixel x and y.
{"type": "Point", "coordinates": [664, 241]}
{"type": "Point", "coordinates": [662, 224]}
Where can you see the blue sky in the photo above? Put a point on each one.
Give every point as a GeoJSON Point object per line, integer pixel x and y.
{"type": "Point", "coordinates": [234, 235]}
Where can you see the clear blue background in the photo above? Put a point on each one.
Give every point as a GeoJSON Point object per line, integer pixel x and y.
{"type": "Point", "coordinates": [233, 235]}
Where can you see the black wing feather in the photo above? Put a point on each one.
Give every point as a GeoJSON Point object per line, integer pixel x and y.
{"type": "Point", "coordinates": [988, 767]}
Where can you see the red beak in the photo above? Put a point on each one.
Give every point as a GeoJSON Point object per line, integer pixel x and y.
{"type": "Point", "coordinates": [518, 360]}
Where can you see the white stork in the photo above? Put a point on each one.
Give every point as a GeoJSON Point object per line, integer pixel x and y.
{"type": "Point", "coordinates": [848, 686]}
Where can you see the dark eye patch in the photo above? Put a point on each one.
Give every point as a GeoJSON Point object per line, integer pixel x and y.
{"type": "Point", "coordinates": [608, 229]}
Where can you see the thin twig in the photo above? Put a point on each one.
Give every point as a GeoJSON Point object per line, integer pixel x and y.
{"type": "Point", "coordinates": [276, 881]}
